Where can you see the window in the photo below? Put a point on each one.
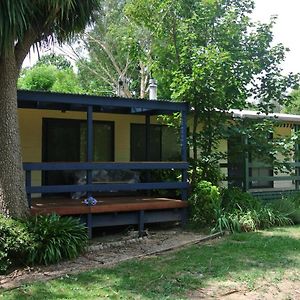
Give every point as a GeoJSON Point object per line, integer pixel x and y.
{"type": "Point", "coordinates": [236, 166]}
{"type": "Point", "coordinates": [163, 142]}
{"type": "Point", "coordinates": [259, 172]}
{"type": "Point", "coordinates": [235, 160]}
{"type": "Point", "coordinates": [66, 141]}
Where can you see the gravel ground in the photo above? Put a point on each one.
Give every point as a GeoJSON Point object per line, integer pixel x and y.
{"type": "Point", "coordinates": [106, 251]}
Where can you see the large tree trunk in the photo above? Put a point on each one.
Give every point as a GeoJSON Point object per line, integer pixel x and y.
{"type": "Point", "coordinates": [12, 185]}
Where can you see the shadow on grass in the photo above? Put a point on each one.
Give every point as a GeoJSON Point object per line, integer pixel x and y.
{"type": "Point", "coordinates": [239, 257]}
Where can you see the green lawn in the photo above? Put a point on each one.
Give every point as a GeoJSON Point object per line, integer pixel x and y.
{"type": "Point", "coordinates": [246, 259]}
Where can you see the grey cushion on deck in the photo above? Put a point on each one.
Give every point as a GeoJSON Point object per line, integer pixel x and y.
{"type": "Point", "coordinates": [105, 176]}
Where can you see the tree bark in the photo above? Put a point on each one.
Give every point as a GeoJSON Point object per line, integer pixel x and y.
{"type": "Point", "coordinates": [143, 83]}
{"type": "Point", "coordinates": [12, 185]}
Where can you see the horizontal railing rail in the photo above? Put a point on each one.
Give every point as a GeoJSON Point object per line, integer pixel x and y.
{"type": "Point", "coordinates": [264, 165]}
{"type": "Point", "coordinates": [266, 178]}
{"type": "Point", "coordinates": [275, 177]}
{"type": "Point", "coordinates": [56, 166]}
{"type": "Point", "coordinates": [106, 187]}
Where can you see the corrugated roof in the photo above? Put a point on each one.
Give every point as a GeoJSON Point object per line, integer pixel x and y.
{"type": "Point", "coordinates": [250, 114]}
{"type": "Point", "coordinates": [62, 101]}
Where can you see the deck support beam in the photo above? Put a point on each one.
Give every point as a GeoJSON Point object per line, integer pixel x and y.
{"type": "Point", "coordinates": [89, 158]}
{"type": "Point", "coordinates": [184, 215]}
{"type": "Point", "coordinates": [89, 224]}
{"type": "Point", "coordinates": [141, 222]}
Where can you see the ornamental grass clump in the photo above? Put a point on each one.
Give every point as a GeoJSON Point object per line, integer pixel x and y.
{"type": "Point", "coordinates": [250, 220]}
{"type": "Point", "coordinates": [289, 206]}
{"type": "Point", "coordinates": [55, 238]}
{"type": "Point", "coordinates": [241, 212]}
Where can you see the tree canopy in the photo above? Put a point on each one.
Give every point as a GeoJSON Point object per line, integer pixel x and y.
{"type": "Point", "coordinates": [51, 73]}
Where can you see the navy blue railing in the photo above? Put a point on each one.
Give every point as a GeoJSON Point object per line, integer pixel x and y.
{"type": "Point", "coordinates": [104, 187]}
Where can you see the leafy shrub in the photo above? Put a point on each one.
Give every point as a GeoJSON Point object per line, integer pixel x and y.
{"type": "Point", "coordinates": [295, 198]}
{"type": "Point", "coordinates": [204, 203]}
{"type": "Point", "coordinates": [55, 238]}
{"type": "Point", "coordinates": [207, 168]}
{"type": "Point", "coordinates": [234, 198]}
{"type": "Point", "coordinates": [15, 242]}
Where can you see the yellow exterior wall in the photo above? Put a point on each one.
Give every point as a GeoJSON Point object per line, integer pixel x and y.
{"type": "Point", "coordinates": [31, 136]}
{"type": "Point", "coordinates": [282, 131]}
{"type": "Point", "coordinates": [31, 132]}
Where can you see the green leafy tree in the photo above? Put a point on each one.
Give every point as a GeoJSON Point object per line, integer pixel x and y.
{"type": "Point", "coordinates": [213, 56]}
{"type": "Point", "coordinates": [22, 24]}
{"type": "Point", "coordinates": [49, 77]}
{"type": "Point", "coordinates": [38, 78]}
{"type": "Point", "coordinates": [163, 20]}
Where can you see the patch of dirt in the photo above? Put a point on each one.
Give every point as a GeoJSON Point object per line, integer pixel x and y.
{"type": "Point", "coordinates": [264, 290]}
{"type": "Point", "coordinates": [107, 251]}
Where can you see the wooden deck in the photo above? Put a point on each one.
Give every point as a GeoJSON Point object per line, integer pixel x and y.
{"type": "Point", "coordinates": [68, 206]}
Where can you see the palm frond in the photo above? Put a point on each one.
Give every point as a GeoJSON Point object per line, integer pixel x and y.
{"type": "Point", "coordinates": [59, 18]}
{"type": "Point", "coordinates": [14, 21]}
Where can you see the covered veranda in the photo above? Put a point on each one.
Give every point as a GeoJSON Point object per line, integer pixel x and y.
{"type": "Point", "coordinates": [109, 210]}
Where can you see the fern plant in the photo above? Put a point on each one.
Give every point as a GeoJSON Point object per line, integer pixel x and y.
{"type": "Point", "coordinates": [56, 238]}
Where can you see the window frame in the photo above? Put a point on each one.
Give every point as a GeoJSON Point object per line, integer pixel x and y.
{"type": "Point", "coordinates": [160, 126]}
{"type": "Point", "coordinates": [62, 120]}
